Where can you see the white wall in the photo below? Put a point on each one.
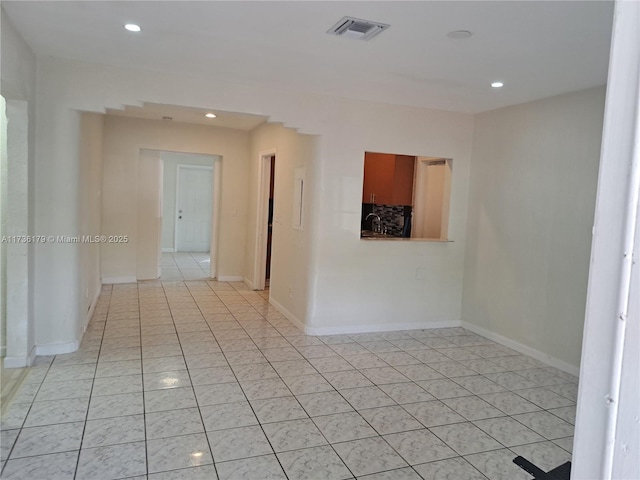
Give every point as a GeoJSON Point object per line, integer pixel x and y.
{"type": "Point", "coordinates": [290, 276]}
{"type": "Point", "coordinates": [170, 162]}
{"type": "Point", "coordinates": [18, 87]}
{"type": "Point", "coordinates": [131, 201]}
{"type": "Point", "coordinates": [530, 216]}
{"type": "Point", "coordinates": [354, 284]}
{"type": "Point", "coordinates": [378, 285]}
{"type": "Point", "coordinates": [148, 209]}
{"type": "Point", "coordinates": [91, 144]}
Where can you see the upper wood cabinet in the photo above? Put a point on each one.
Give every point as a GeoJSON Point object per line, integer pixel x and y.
{"type": "Point", "coordinates": [388, 179]}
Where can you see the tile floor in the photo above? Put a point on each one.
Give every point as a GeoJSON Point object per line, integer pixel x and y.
{"type": "Point", "coordinates": [184, 266]}
{"type": "Point", "coordinates": [203, 380]}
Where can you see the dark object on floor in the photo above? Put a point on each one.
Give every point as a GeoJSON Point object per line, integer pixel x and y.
{"type": "Point", "coordinates": [563, 472]}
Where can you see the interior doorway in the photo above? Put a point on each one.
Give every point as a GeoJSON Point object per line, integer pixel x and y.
{"type": "Point", "coordinates": [265, 220]}
{"type": "Point", "coordinates": [190, 200]}
{"type": "Point", "coordinates": [272, 169]}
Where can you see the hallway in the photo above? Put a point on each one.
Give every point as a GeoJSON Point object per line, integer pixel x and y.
{"type": "Point", "coordinates": [204, 379]}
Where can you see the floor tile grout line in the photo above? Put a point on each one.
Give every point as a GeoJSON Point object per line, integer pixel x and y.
{"type": "Point", "coordinates": [86, 418]}
{"type": "Point", "coordinates": [313, 422]}
{"type": "Point", "coordinates": [253, 334]}
{"type": "Point", "coordinates": [22, 425]}
{"type": "Point", "coordinates": [249, 403]}
{"type": "Point", "coordinates": [204, 429]}
{"type": "Point", "coordinates": [144, 406]}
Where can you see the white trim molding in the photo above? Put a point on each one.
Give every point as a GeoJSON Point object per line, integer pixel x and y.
{"type": "Point", "coordinates": [383, 327]}
{"type": "Point", "coordinates": [230, 278]}
{"type": "Point", "coordinates": [607, 438]}
{"type": "Point", "coordinates": [57, 348]}
{"type": "Point", "coordinates": [524, 349]}
{"type": "Point", "coordinates": [248, 282]}
{"type": "Point", "coordinates": [92, 309]}
{"type": "Point", "coordinates": [290, 316]}
{"type": "Point", "coordinates": [120, 279]}
{"type": "Point", "coordinates": [19, 362]}
{"type": "Point", "coordinates": [262, 214]}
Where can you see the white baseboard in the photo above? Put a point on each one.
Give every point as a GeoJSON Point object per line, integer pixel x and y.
{"type": "Point", "coordinates": [386, 327]}
{"type": "Point", "coordinates": [19, 362]}
{"type": "Point", "coordinates": [524, 349]}
{"type": "Point", "coordinates": [168, 250]}
{"type": "Point", "coordinates": [120, 279]}
{"type": "Point", "coordinates": [248, 282]}
{"type": "Point", "coordinates": [290, 316]}
{"type": "Point", "coordinates": [57, 348]}
{"type": "Point", "coordinates": [230, 278]}
{"type": "Point", "coordinates": [92, 309]}
{"type": "Point", "coordinates": [15, 362]}
{"type": "Point", "coordinates": [383, 327]}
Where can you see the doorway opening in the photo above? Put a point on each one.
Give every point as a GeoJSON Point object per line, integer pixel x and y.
{"type": "Point", "coordinates": [272, 170]}
{"type": "Point", "coordinates": [432, 194]}
{"type": "Point", "coordinates": [265, 220]}
{"type": "Point", "coordinates": [190, 186]}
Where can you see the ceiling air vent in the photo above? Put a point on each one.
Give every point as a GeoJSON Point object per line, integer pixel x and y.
{"type": "Point", "coordinates": [356, 28]}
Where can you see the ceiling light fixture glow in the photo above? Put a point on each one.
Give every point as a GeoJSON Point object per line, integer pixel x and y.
{"type": "Point", "coordinates": [497, 85]}
{"type": "Point", "coordinates": [210, 115]}
{"type": "Point", "coordinates": [132, 27]}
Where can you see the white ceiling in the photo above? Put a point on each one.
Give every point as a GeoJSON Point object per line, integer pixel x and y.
{"type": "Point", "coordinates": [537, 49]}
{"type": "Point", "coordinates": [156, 111]}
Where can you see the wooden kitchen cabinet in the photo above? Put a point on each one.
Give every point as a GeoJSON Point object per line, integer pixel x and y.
{"type": "Point", "coordinates": [388, 179]}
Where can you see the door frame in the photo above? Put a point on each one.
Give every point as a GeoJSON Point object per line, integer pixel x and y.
{"type": "Point", "coordinates": [216, 170]}
{"type": "Point", "coordinates": [262, 218]}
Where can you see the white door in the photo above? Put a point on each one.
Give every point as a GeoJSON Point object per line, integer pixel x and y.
{"type": "Point", "coordinates": [193, 208]}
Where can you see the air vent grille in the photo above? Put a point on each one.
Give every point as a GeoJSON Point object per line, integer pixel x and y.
{"type": "Point", "coordinates": [357, 29]}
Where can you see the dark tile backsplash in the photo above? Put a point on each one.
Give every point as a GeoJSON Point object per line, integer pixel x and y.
{"type": "Point", "coordinates": [393, 217]}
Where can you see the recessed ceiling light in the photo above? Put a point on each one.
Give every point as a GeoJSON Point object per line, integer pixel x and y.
{"type": "Point", "coordinates": [497, 84]}
{"type": "Point", "coordinates": [459, 34]}
{"type": "Point", "coordinates": [210, 115]}
{"type": "Point", "coordinates": [132, 27]}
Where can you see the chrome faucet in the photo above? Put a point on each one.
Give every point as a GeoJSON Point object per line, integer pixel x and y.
{"type": "Point", "coordinates": [377, 217]}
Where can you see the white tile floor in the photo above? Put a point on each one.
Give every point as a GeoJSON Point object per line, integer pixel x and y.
{"type": "Point", "coordinates": [185, 266]}
{"type": "Point", "coordinates": [204, 380]}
